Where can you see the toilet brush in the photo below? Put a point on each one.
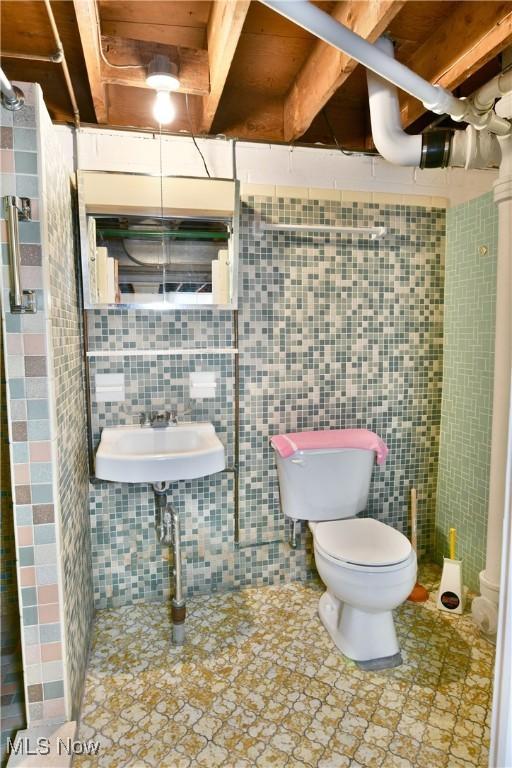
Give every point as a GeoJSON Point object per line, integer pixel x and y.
{"type": "Point", "coordinates": [451, 595]}
{"type": "Point", "coordinates": [419, 594]}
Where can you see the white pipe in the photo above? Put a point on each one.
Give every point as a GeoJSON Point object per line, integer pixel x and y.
{"type": "Point", "coordinates": [500, 752]}
{"type": "Point", "coordinates": [485, 97]}
{"type": "Point", "coordinates": [392, 142]}
{"type": "Point", "coordinates": [502, 363]}
{"type": "Point", "coordinates": [485, 608]}
{"type": "Point", "coordinates": [434, 97]}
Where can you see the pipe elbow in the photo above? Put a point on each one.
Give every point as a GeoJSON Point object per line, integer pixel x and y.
{"type": "Point", "coordinates": [395, 145]}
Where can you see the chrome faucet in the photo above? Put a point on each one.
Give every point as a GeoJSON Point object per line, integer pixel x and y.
{"type": "Point", "coordinates": [158, 420]}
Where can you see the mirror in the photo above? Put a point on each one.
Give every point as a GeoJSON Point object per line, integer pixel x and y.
{"type": "Point", "coordinates": [158, 243]}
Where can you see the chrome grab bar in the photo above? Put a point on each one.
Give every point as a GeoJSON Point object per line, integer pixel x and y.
{"type": "Point", "coordinates": [17, 208]}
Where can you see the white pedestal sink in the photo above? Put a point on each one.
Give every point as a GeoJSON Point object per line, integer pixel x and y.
{"type": "Point", "coordinates": [133, 454]}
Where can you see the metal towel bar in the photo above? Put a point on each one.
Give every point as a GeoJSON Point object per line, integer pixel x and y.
{"type": "Point", "coordinates": [16, 209]}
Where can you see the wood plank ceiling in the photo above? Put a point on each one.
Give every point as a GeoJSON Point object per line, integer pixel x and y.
{"type": "Point", "coordinates": [245, 71]}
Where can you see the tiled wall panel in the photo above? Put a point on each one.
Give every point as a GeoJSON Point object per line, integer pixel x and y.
{"type": "Point", "coordinates": [32, 449]}
{"type": "Point", "coordinates": [46, 411]}
{"type": "Point", "coordinates": [8, 587]}
{"type": "Point", "coordinates": [333, 332]}
{"type": "Point", "coordinates": [68, 394]}
{"type": "Point", "coordinates": [464, 458]}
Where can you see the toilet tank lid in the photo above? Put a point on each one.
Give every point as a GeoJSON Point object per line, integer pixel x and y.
{"type": "Point", "coordinates": [288, 444]}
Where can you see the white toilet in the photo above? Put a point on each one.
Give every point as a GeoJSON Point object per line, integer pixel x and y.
{"type": "Point", "coordinates": [368, 567]}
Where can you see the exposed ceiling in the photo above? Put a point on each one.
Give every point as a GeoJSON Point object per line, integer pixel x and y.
{"type": "Point", "coordinates": [245, 71]}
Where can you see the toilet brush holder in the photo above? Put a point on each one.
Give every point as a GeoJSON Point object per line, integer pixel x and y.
{"type": "Point", "coordinates": [451, 595]}
{"type": "Point", "coordinates": [451, 591]}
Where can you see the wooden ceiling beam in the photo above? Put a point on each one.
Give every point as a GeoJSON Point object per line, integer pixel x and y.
{"type": "Point", "coordinates": [326, 68]}
{"type": "Point", "coordinates": [223, 32]}
{"type": "Point", "coordinates": [471, 36]}
{"type": "Point", "coordinates": [189, 37]}
{"type": "Point", "coordinates": [192, 63]}
{"type": "Point", "coordinates": [86, 16]}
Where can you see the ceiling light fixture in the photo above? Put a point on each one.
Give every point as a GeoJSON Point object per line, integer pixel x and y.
{"type": "Point", "coordinates": [163, 77]}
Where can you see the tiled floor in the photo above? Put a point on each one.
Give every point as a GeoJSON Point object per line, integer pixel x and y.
{"type": "Point", "coordinates": [259, 683]}
{"type": "Point", "coordinates": [11, 693]}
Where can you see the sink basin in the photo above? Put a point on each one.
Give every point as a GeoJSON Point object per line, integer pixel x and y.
{"type": "Point", "coordinates": [132, 454]}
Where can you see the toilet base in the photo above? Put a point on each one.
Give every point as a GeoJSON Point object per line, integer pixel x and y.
{"type": "Point", "coordinates": [367, 638]}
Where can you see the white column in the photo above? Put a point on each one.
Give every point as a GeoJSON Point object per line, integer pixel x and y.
{"type": "Point", "coordinates": [485, 608]}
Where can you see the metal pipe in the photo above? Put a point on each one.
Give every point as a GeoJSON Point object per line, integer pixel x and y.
{"type": "Point", "coordinates": [63, 62]}
{"type": "Point", "coordinates": [170, 533]}
{"type": "Point", "coordinates": [178, 608]}
{"type": "Point", "coordinates": [374, 233]}
{"type": "Point", "coordinates": [434, 97]}
{"type": "Point", "coordinates": [236, 449]}
{"type": "Point", "coordinates": [53, 58]}
{"type": "Point", "coordinates": [12, 98]}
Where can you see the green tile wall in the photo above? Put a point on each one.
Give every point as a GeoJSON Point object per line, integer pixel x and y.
{"type": "Point", "coordinates": [470, 291]}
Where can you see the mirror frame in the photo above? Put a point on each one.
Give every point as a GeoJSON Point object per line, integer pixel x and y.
{"type": "Point", "coordinates": [155, 307]}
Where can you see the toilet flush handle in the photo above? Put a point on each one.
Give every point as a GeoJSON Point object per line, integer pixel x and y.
{"type": "Point", "coordinates": [297, 461]}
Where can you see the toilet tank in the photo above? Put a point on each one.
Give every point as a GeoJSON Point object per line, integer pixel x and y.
{"type": "Point", "coordinates": [325, 484]}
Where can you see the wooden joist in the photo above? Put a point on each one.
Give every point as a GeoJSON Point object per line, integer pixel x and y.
{"type": "Point", "coordinates": [192, 63]}
{"type": "Point", "coordinates": [86, 16]}
{"type": "Point", "coordinates": [223, 32]}
{"type": "Point", "coordinates": [471, 36]}
{"type": "Point", "coordinates": [326, 68]}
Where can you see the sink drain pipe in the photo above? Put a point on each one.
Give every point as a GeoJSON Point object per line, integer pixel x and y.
{"type": "Point", "coordinates": [170, 533]}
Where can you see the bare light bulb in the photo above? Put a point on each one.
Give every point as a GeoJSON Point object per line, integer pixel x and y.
{"type": "Point", "coordinates": [163, 108]}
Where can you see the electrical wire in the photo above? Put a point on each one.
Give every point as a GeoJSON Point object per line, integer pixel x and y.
{"type": "Point", "coordinates": [102, 54]}
{"type": "Point", "coordinates": [194, 138]}
{"type": "Point", "coordinates": [333, 135]}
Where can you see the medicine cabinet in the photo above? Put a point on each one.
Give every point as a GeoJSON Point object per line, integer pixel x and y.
{"type": "Point", "coordinates": [158, 242]}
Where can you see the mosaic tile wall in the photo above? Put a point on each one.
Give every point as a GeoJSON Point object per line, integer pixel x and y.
{"type": "Point", "coordinates": [332, 332]}
{"type": "Point", "coordinates": [465, 447]}
{"type": "Point", "coordinates": [342, 332]}
{"type": "Point", "coordinates": [32, 448]}
{"type": "Point", "coordinates": [71, 430]}
{"type": "Point", "coordinates": [44, 387]}
{"type": "Point", "coordinates": [8, 586]}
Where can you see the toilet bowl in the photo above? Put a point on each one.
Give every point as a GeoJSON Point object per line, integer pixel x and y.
{"type": "Point", "coordinates": [368, 567]}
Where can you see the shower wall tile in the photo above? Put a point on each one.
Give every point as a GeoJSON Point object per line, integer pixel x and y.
{"type": "Point", "coordinates": [333, 332]}
{"type": "Point", "coordinates": [68, 428]}
{"type": "Point", "coordinates": [46, 432]}
{"type": "Point", "coordinates": [468, 375]}
{"type": "Point", "coordinates": [22, 367]}
{"type": "Point", "coordinates": [9, 616]}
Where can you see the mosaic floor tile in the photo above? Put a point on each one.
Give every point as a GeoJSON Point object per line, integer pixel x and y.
{"type": "Point", "coordinates": [259, 683]}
